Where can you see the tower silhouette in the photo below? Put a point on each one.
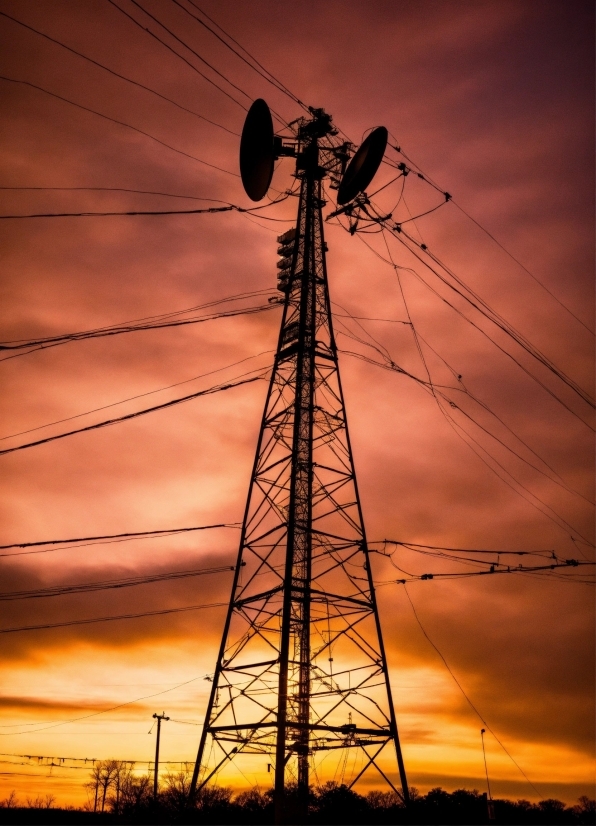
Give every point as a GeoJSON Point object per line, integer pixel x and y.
{"type": "Point", "coordinates": [301, 673]}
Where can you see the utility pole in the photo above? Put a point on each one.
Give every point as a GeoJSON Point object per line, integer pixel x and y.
{"type": "Point", "coordinates": [490, 806]}
{"type": "Point", "coordinates": [301, 675]}
{"type": "Point", "coordinates": [159, 718]}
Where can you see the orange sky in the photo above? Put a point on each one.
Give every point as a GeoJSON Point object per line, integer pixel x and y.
{"type": "Point", "coordinates": [494, 100]}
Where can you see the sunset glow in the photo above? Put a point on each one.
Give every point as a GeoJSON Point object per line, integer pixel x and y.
{"type": "Point", "coordinates": [494, 102]}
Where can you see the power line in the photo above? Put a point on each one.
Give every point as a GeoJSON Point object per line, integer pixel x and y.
{"type": "Point", "coordinates": [485, 310]}
{"type": "Point", "coordinates": [174, 52]}
{"type": "Point", "coordinates": [191, 50]}
{"type": "Point", "coordinates": [473, 324]}
{"type": "Point", "coordinates": [137, 396]}
{"type": "Point", "coordinates": [102, 332]}
{"type": "Point", "coordinates": [429, 180]}
{"type": "Point", "coordinates": [470, 703]}
{"type": "Point", "coordinates": [269, 79]}
{"type": "Point", "coordinates": [497, 568]}
{"type": "Point", "coordinates": [92, 620]}
{"type": "Point", "coordinates": [268, 76]}
{"type": "Point", "coordinates": [120, 212]}
{"type": "Point", "coordinates": [230, 208]}
{"type": "Point", "coordinates": [498, 551]}
{"type": "Point", "coordinates": [480, 305]}
{"type": "Point", "coordinates": [119, 122]}
{"type": "Point", "coordinates": [130, 534]}
{"type": "Point", "coordinates": [109, 189]}
{"type": "Point", "coordinates": [96, 713]}
{"type": "Point", "coordinates": [57, 761]}
{"type": "Point", "coordinates": [208, 391]}
{"type": "Point", "coordinates": [434, 389]}
{"type": "Point", "coordinates": [117, 74]}
{"type": "Point", "coordinates": [110, 584]}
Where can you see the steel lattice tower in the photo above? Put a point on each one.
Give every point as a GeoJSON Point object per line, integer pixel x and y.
{"type": "Point", "coordinates": [301, 671]}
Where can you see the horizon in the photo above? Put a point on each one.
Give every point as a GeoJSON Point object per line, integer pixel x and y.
{"type": "Point", "coordinates": [495, 103]}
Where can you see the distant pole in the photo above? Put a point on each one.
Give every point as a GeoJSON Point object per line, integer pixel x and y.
{"type": "Point", "coordinates": [489, 802]}
{"type": "Point", "coordinates": [159, 718]}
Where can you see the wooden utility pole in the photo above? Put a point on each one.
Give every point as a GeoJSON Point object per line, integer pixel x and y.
{"type": "Point", "coordinates": [159, 718]}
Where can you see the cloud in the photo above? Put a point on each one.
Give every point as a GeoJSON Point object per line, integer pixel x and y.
{"type": "Point", "coordinates": [494, 102]}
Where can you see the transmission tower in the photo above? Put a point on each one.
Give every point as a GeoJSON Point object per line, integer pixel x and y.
{"type": "Point", "coordinates": [301, 673]}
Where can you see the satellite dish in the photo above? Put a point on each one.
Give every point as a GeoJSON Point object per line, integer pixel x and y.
{"type": "Point", "coordinates": [363, 166]}
{"type": "Point", "coordinates": [256, 151]}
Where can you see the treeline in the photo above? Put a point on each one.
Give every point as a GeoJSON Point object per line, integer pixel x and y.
{"type": "Point", "coordinates": [116, 794]}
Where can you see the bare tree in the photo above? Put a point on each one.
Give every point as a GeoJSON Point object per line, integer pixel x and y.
{"type": "Point", "coordinates": [39, 802]}
{"type": "Point", "coordinates": [10, 802]}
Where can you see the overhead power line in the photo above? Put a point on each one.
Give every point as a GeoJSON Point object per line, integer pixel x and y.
{"type": "Point", "coordinates": [177, 54]}
{"type": "Point", "coordinates": [92, 620]}
{"type": "Point", "coordinates": [429, 180]}
{"type": "Point", "coordinates": [52, 724]}
{"type": "Point", "coordinates": [122, 212]}
{"type": "Point", "coordinates": [117, 74]}
{"type": "Point", "coordinates": [119, 122]}
{"type": "Point", "coordinates": [136, 396]}
{"type": "Point", "coordinates": [496, 551]}
{"type": "Point", "coordinates": [110, 189]}
{"type": "Point", "coordinates": [130, 534]}
{"type": "Point", "coordinates": [102, 332]}
{"type": "Point", "coordinates": [470, 703]}
{"type": "Point", "coordinates": [110, 584]}
{"type": "Point", "coordinates": [208, 391]}
{"type": "Point", "coordinates": [264, 74]}
{"type": "Point", "coordinates": [487, 312]}
{"type": "Point", "coordinates": [497, 568]}
{"type": "Point", "coordinates": [191, 50]}
{"type": "Point", "coordinates": [474, 324]}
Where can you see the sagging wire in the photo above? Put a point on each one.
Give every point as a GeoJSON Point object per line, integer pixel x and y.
{"type": "Point", "coordinates": [435, 390]}
{"type": "Point", "coordinates": [469, 701]}
{"type": "Point", "coordinates": [116, 121]}
{"type": "Point", "coordinates": [210, 390]}
{"type": "Point", "coordinates": [423, 176]}
{"type": "Point", "coordinates": [117, 74]}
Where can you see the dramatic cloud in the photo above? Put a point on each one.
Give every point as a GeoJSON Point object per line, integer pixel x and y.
{"type": "Point", "coordinates": [495, 102]}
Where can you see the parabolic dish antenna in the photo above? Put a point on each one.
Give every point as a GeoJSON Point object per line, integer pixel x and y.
{"type": "Point", "coordinates": [256, 151]}
{"type": "Point", "coordinates": [363, 166]}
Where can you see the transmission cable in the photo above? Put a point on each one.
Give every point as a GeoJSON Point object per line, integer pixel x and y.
{"type": "Point", "coordinates": [111, 584]}
{"type": "Point", "coordinates": [210, 390]}
{"type": "Point", "coordinates": [177, 54]}
{"type": "Point", "coordinates": [117, 74]}
{"type": "Point", "coordinates": [192, 51]}
{"type": "Point", "coordinates": [110, 189]}
{"type": "Point", "coordinates": [429, 180]}
{"type": "Point", "coordinates": [279, 87]}
{"type": "Point", "coordinates": [129, 534]}
{"type": "Point", "coordinates": [119, 122]}
{"type": "Point", "coordinates": [138, 396]}
{"type": "Point", "coordinates": [484, 308]}
{"type": "Point", "coordinates": [484, 333]}
{"type": "Point", "coordinates": [97, 713]}
{"type": "Point", "coordinates": [52, 341]}
{"type": "Point", "coordinates": [470, 703]}
{"type": "Point", "coordinates": [269, 76]}
{"type": "Point", "coordinates": [111, 618]}
{"type": "Point", "coordinates": [434, 389]}
{"type": "Point", "coordinates": [496, 568]}
{"type": "Point", "coordinates": [113, 213]}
